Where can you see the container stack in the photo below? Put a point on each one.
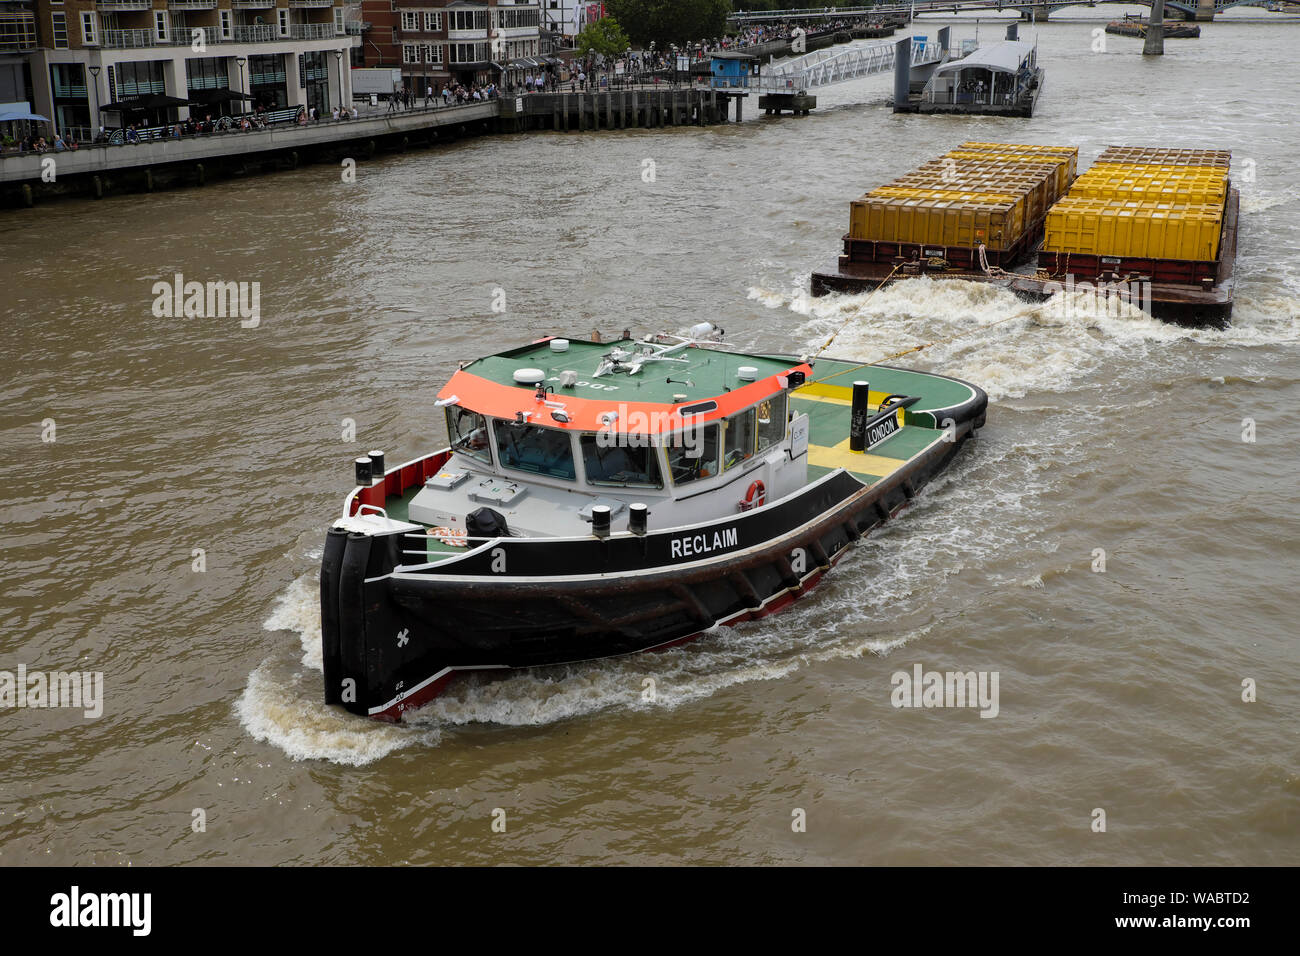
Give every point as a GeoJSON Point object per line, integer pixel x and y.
{"type": "Point", "coordinates": [990, 194]}
{"type": "Point", "coordinates": [1141, 210]}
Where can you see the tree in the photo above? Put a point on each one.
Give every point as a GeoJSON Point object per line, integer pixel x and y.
{"type": "Point", "coordinates": [671, 21]}
{"type": "Point", "coordinates": [604, 36]}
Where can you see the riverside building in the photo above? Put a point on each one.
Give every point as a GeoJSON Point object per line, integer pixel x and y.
{"type": "Point", "coordinates": [163, 61]}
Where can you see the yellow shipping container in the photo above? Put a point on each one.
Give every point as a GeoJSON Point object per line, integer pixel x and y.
{"type": "Point", "coordinates": [938, 222]}
{"type": "Point", "coordinates": [1151, 170]}
{"type": "Point", "coordinates": [1016, 221]}
{"type": "Point", "coordinates": [1147, 230]}
{"type": "Point", "coordinates": [1037, 181]}
{"type": "Point", "coordinates": [1156, 155]}
{"type": "Point", "coordinates": [1064, 168]}
{"type": "Point", "coordinates": [1196, 190]}
{"type": "Point", "coordinates": [1018, 148]}
{"type": "Point", "coordinates": [1068, 154]}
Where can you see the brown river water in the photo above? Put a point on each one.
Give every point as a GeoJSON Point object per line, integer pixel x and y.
{"type": "Point", "coordinates": [1119, 690]}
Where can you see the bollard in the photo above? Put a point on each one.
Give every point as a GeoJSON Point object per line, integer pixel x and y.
{"type": "Point", "coordinates": [858, 416]}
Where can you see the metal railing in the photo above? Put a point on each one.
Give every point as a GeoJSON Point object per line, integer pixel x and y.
{"type": "Point", "coordinates": [191, 5]}
{"type": "Point", "coordinates": [115, 5]}
{"type": "Point", "coordinates": [949, 97]}
{"type": "Point", "coordinates": [836, 66]}
{"type": "Point", "coordinates": [251, 4]}
{"type": "Point", "coordinates": [125, 39]}
{"type": "Point", "coordinates": [311, 31]}
{"type": "Point", "coordinates": [311, 3]}
{"type": "Point", "coordinates": [253, 33]}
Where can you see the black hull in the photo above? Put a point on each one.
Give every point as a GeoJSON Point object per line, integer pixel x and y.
{"type": "Point", "coordinates": [392, 640]}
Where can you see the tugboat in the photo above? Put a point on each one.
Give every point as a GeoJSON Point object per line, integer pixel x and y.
{"type": "Point", "coordinates": [597, 499]}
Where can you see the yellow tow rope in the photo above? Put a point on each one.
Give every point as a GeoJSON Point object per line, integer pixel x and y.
{"type": "Point", "coordinates": [914, 348]}
{"type": "Point", "coordinates": [826, 344]}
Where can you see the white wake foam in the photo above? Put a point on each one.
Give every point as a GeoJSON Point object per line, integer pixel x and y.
{"type": "Point", "coordinates": [287, 713]}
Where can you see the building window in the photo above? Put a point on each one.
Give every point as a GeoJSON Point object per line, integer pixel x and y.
{"type": "Point", "coordinates": [432, 21]}
{"type": "Point", "coordinates": [468, 52]}
{"type": "Point", "coordinates": [161, 28]}
{"type": "Point", "coordinates": [60, 23]}
{"type": "Point", "coordinates": [433, 53]}
{"type": "Point", "coordinates": [225, 25]}
{"type": "Point", "coordinates": [410, 21]}
{"type": "Point", "coordinates": [284, 22]}
{"type": "Point", "coordinates": [467, 19]}
{"type": "Point", "coordinates": [207, 73]}
{"type": "Point", "coordinates": [410, 53]}
{"type": "Point", "coordinates": [339, 28]}
{"type": "Point", "coordinates": [138, 78]}
{"type": "Point", "coordinates": [513, 19]}
{"type": "Point", "coordinates": [89, 36]}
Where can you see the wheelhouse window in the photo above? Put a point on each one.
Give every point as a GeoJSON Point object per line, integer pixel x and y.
{"type": "Point", "coordinates": [771, 421]}
{"type": "Point", "coordinates": [542, 451]}
{"type": "Point", "coordinates": [467, 432]}
{"type": "Point", "coordinates": [693, 454]}
{"type": "Point", "coordinates": [738, 445]}
{"type": "Point", "coordinates": [620, 465]}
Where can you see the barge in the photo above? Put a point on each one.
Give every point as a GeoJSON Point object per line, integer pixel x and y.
{"type": "Point", "coordinates": [1133, 26]}
{"type": "Point", "coordinates": [1153, 227]}
{"type": "Point", "coordinates": [602, 499]}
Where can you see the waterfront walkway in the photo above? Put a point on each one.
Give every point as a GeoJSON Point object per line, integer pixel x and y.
{"type": "Point", "coordinates": [26, 167]}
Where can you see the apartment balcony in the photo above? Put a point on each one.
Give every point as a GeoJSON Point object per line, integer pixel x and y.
{"type": "Point", "coordinates": [254, 33]}
{"type": "Point", "coordinates": [192, 4]}
{"type": "Point", "coordinates": [356, 27]}
{"type": "Point", "coordinates": [126, 39]}
{"type": "Point", "coordinates": [252, 4]}
{"type": "Point", "coordinates": [311, 31]}
{"type": "Point", "coordinates": [311, 3]}
{"type": "Point", "coordinates": [116, 6]}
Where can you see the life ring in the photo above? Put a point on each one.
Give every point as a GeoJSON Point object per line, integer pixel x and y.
{"type": "Point", "coordinates": [449, 536]}
{"type": "Point", "coordinates": [755, 497]}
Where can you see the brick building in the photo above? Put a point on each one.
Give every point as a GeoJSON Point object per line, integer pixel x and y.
{"type": "Point", "coordinates": [90, 53]}
{"type": "Point", "coordinates": [445, 41]}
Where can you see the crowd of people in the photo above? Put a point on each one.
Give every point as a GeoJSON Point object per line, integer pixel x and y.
{"type": "Point", "coordinates": [407, 98]}
{"type": "Point", "coordinates": [32, 143]}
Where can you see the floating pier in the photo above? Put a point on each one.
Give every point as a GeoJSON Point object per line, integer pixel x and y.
{"type": "Point", "coordinates": [1003, 79]}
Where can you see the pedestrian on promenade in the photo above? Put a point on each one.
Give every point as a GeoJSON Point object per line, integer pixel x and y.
{"type": "Point", "coordinates": [428, 96]}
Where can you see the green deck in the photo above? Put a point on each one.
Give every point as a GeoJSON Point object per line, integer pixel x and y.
{"type": "Point", "coordinates": [710, 371]}
{"type": "Point", "coordinates": [935, 392]}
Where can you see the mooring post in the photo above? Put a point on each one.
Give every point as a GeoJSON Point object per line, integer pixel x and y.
{"type": "Point", "coordinates": [858, 415]}
{"type": "Point", "coordinates": [1154, 44]}
{"type": "Point", "coordinates": [902, 71]}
